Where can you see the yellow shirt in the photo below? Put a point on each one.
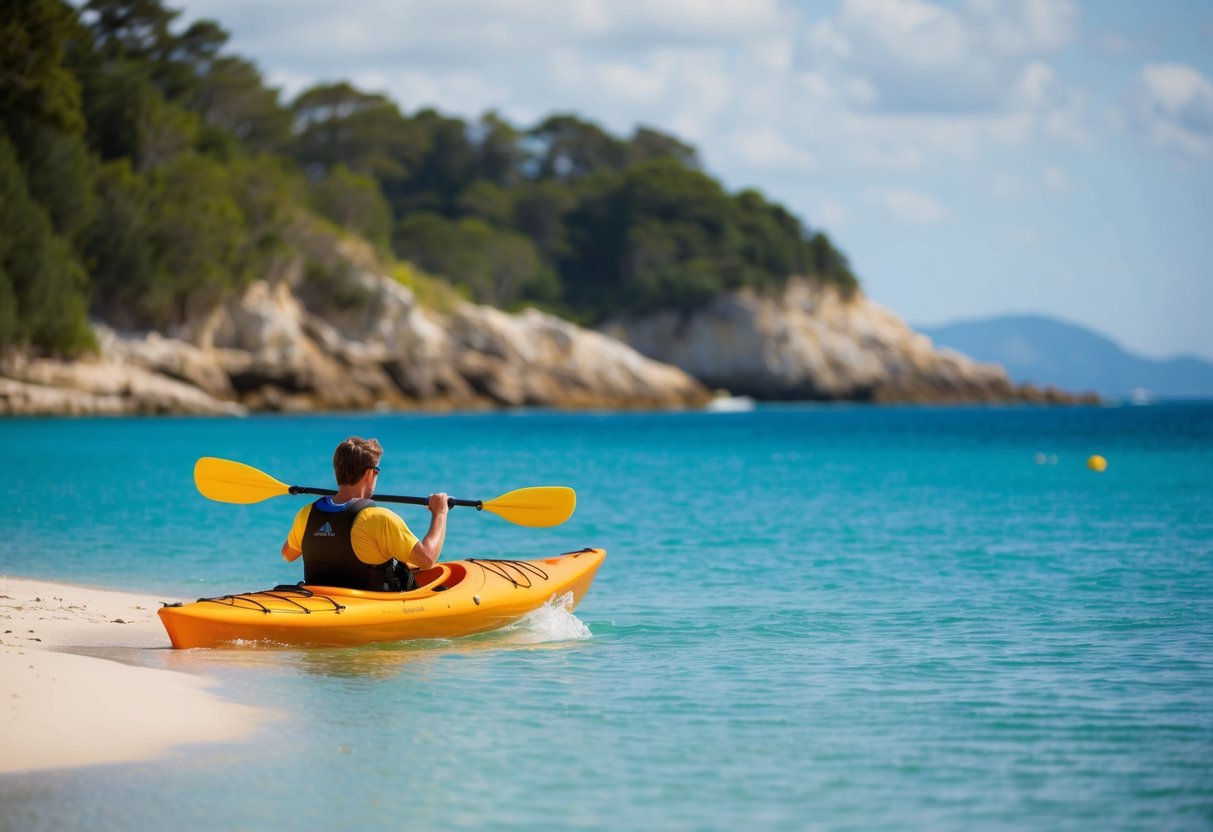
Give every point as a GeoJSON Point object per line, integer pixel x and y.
{"type": "Point", "coordinates": [378, 535]}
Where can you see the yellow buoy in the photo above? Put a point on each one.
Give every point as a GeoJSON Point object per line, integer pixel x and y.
{"type": "Point", "coordinates": [1097, 463]}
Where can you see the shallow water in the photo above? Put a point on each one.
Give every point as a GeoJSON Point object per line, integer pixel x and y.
{"type": "Point", "coordinates": [809, 618]}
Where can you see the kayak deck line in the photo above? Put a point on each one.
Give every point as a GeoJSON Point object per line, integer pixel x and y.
{"type": "Point", "coordinates": [502, 568]}
{"type": "Point", "coordinates": [280, 592]}
{"type": "Point", "coordinates": [452, 599]}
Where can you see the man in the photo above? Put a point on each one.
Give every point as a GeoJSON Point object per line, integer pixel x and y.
{"type": "Point", "coordinates": [348, 541]}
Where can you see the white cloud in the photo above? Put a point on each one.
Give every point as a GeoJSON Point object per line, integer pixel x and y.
{"type": "Point", "coordinates": [763, 147]}
{"type": "Point", "coordinates": [1176, 105]}
{"type": "Point", "coordinates": [830, 213]}
{"type": "Point", "coordinates": [1117, 45]}
{"type": "Point", "coordinates": [1037, 85]}
{"type": "Point", "coordinates": [876, 85]}
{"type": "Point", "coordinates": [467, 92]}
{"type": "Point", "coordinates": [1053, 181]}
{"type": "Point", "coordinates": [1023, 236]}
{"type": "Point", "coordinates": [667, 21]}
{"type": "Point", "coordinates": [923, 56]}
{"type": "Point", "coordinates": [1056, 181]}
{"type": "Point", "coordinates": [1025, 27]}
{"type": "Point", "coordinates": [907, 206]}
{"type": "Point", "coordinates": [629, 82]}
{"type": "Point", "coordinates": [919, 85]}
{"type": "Point", "coordinates": [1008, 186]}
{"type": "Point", "coordinates": [886, 154]}
{"type": "Point", "coordinates": [908, 33]}
{"type": "Point", "coordinates": [422, 31]}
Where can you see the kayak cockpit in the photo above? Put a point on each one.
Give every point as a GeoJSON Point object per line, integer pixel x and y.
{"type": "Point", "coordinates": [438, 578]}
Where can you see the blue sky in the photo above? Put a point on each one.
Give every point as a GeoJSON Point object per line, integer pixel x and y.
{"type": "Point", "coordinates": [972, 158]}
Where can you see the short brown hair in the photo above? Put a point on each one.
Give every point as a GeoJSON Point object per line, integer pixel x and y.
{"type": "Point", "coordinates": [354, 457]}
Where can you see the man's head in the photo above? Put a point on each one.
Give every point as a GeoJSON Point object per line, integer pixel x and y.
{"type": "Point", "coordinates": [354, 457]}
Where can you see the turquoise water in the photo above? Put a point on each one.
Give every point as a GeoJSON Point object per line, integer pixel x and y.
{"type": "Point", "coordinates": [809, 618]}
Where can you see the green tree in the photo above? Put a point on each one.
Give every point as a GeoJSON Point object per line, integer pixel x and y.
{"type": "Point", "coordinates": [134, 30]}
{"type": "Point", "coordinates": [170, 242]}
{"type": "Point", "coordinates": [35, 84]}
{"type": "Point", "coordinates": [194, 231]}
{"type": "Point", "coordinates": [353, 202]}
{"type": "Point", "coordinates": [270, 195]}
{"type": "Point", "coordinates": [341, 125]}
{"type": "Point", "coordinates": [43, 288]}
{"type": "Point", "coordinates": [566, 148]}
{"type": "Point", "coordinates": [115, 247]}
{"type": "Point", "coordinates": [540, 211]}
{"type": "Point", "coordinates": [634, 234]}
{"type": "Point", "coordinates": [499, 153]}
{"type": "Point", "coordinates": [45, 197]}
{"type": "Point", "coordinates": [60, 174]}
{"type": "Point", "coordinates": [488, 201]}
{"type": "Point", "coordinates": [497, 267]}
{"type": "Point", "coordinates": [772, 240]}
{"type": "Point", "coordinates": [647, 144]}
{"type": "Point", "coordinates": [830, 264]}
{"type": "Point", "coordinates": [232, 98]}
{"type": "Point", "coordinates": [40, 110]}
{"type": "Point", "coordinates": [440, 175]}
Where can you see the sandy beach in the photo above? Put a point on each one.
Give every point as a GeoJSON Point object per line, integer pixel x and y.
{"type": "Point", "coordinates": [60, 709]}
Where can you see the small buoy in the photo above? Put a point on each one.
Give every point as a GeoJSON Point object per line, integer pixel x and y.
{"type": "Point", "coordinates": [476, 598]}
{"type": "Point", "coordinates": [1097, 463]}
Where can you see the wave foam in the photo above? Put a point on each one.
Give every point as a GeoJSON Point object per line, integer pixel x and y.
{"type": "Point", "coordinates": [554, 621]}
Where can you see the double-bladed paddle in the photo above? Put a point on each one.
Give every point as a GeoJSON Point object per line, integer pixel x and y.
{"type": "Point", "coordinates": [234, 482]}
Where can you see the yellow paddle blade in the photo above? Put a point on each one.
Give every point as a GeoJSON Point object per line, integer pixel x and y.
{"type": "Point", "coordinates": [235, 482]}
{"type": "Point", "coordinates": [543, 505]}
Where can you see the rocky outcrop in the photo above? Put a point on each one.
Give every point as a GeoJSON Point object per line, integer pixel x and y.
{"type": "Point", "coordinates": [101, 386]}
{"type": "Point", "coordinates": [808, 342]}
{"type": "Point", "coordinates": [363, 341]}
{"type": "Point", "coordinates": [366, 343]}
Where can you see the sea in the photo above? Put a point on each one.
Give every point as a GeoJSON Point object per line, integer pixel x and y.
{"type": "Point", "coordinates": [811, 617]}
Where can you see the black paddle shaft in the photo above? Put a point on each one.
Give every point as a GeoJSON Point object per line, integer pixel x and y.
{"type": "Point", "coordinates": [390, 498]}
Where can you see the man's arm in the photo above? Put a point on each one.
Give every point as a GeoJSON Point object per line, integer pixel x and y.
{"type": "Point", "coordinates": [292, 549]}
{"type": "Point", "coordinates": [428, 549]}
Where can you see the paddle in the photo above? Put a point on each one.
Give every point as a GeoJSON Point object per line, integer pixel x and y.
{"type": "Point", "coordinates": [234, 482]}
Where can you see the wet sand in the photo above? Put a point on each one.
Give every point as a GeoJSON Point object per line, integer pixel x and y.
{"type": "Point", "coordinates": [61, 709]}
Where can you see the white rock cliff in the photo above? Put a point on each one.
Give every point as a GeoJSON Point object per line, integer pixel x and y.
{"type": "Point", "coordinates": [808, 342]}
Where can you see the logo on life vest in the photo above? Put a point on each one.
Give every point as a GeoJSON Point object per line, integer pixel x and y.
{"type": "Point", "coordinates": [324, 531]}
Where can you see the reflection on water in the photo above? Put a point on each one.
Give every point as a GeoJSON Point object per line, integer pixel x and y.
{"type": "Point", "coordinates": [551, 627]}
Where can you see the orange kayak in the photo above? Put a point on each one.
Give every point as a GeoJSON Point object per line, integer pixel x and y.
{"type": "Point", "coordinates": [456, 598]}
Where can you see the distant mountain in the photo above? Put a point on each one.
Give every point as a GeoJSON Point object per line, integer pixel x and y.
{"type": "Point", "coordinates": [1044, 351]}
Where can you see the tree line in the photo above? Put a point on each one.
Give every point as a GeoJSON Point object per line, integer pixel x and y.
{"type": "Point", "coordinates": [146, 174]}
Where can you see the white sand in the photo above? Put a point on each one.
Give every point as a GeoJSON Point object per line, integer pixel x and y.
{"type": "Point", "coordinates": [59, 710]}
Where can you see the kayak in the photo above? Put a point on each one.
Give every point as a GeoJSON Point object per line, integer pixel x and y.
{"type": "Point", "coordinates": [455, 598]}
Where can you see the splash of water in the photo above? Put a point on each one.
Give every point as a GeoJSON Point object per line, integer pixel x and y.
{"type": "Point", "coordinates": [554, 621]}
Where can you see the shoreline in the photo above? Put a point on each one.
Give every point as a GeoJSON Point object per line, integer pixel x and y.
{"type": "Point", "coordinates": [63, 709]}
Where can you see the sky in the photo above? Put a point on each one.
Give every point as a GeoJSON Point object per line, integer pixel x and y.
{"type": "Point", "coordinates": [972, 158]}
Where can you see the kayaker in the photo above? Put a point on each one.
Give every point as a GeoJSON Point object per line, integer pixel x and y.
{"type": "Point", "coordinates": [347, 540]}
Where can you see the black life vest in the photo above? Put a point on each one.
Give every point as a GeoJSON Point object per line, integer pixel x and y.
{"type": "Point", "coordinates": [328, 554]}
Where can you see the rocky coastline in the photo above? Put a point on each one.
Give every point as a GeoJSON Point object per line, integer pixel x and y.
{"type": "Point", "coordinates": [276, 347]}
{"type": "Point", "coordinates": [809, 342]}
